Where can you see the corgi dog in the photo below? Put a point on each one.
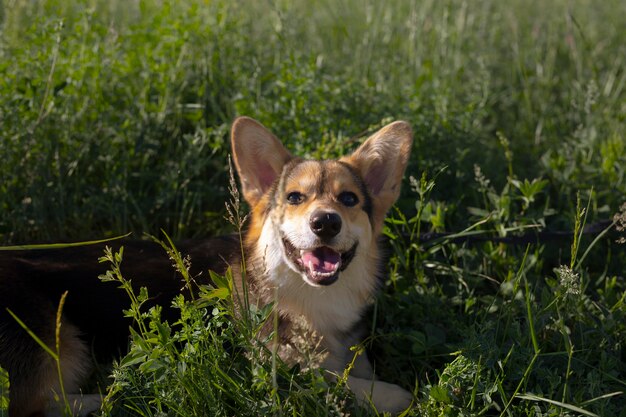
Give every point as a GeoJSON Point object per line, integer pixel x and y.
{"type": "Point", "coordinates": [311, 247]}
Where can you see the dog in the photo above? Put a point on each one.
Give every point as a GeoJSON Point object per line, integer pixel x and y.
{"type": "Point", "coordinates": [311, 247]}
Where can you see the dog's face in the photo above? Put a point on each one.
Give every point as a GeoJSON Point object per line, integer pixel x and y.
{"type": "Point", "coordinates": [322, 215]}
{"type": "Point", "coordinates": [323, 211]}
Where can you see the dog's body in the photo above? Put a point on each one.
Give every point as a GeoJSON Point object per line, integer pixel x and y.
{"type": "Point", "coordinates": [311, 248]}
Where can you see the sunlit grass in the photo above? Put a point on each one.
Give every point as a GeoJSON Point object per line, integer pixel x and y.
{"type": "Point", "coordinates": [114, 118]}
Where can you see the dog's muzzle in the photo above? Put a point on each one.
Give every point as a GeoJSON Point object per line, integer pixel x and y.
{"type": "Point", "coordinates": [321, 265]}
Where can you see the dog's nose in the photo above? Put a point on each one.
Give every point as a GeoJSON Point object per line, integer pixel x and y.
{"type": "Point", "coordinates": [325, 224]}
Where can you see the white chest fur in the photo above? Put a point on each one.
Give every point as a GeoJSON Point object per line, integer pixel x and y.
{"type": "Point", "coordinates": [328, 309]}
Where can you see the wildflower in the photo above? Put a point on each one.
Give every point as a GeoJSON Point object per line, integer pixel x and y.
{"type": "Point", "coordinates": [620, 222]}
{"type": "Point", "coordinates": [481, 179]}
{"type": "Point", "coordinates": [569, 280]}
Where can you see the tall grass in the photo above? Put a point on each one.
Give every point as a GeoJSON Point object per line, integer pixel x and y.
{"type": "Point", "coordinates": [114, 118]}
{"type": "Point", "coordinates": [114, 114]}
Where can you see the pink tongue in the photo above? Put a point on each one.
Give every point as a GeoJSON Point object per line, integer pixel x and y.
{"type": "Point", "coordinates": [322, 259]}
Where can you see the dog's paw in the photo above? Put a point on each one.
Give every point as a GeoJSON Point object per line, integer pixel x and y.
{"type": "Point", "coordinates": [385, 397]}
{"type": "Point", "coordinates": [390, 397]}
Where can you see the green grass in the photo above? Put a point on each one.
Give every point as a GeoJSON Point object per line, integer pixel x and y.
{"type": "Point", "coordinates": [114, 118]}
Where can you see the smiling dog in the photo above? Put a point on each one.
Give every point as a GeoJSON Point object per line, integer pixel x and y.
{"type": "Point", "coordinates": [311, 248]}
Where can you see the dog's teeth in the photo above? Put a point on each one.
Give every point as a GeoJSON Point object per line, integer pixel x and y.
{"type": "Point", "coordinates": [311, 266]}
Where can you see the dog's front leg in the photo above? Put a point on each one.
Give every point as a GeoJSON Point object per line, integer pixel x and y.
{"type": "Point", "coordinates": [363, 382]}
{"type": "Point", "coordinates": [339, 358]}
{"type": "Point", "coordinates": [382, 395]}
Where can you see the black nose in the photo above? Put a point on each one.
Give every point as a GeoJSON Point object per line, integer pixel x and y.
{"type": "Point", "coordinates": [325, 225]}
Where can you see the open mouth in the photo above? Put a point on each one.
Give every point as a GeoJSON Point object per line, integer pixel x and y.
{"type": "Point", "coordinates": [321, 265]}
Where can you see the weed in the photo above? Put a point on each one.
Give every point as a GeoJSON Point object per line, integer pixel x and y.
{"type": "Point", "coordinates": [620, 222]}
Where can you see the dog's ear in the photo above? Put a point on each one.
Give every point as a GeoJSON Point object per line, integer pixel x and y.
{"type": "Point", "coordinates": [259, 157]}
{"type": "Point", "coordinates": [381, 161]}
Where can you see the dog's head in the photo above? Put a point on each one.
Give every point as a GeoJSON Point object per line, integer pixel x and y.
{"type": "Point", "coordinates": [320, 214]}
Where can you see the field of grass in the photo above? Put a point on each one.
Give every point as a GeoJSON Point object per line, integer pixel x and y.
{"type": "Point", "coordinates": [114, 118]}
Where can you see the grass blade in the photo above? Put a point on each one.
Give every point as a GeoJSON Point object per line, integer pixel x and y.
{"type": "Point", "coordinates": [532, 397]}
{"type": "Point", "coordinates": [34, 336]}
{"type": "Point", "coordinates": [61, 245]}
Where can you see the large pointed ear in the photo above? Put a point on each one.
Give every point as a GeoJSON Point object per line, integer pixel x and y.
{"type": "Point", "coordinates": [381, 161]}
{"type": "Point", "coordinates": [259, 157]}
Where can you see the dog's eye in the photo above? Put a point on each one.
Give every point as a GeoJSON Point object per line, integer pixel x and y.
{"type": "Point", "coordinates": [348, 199]}
{"type": "Point", "coordinates": [295, 198]}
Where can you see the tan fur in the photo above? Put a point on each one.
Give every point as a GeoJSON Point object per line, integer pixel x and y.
{"type": "Point", "coordinates": [381, 160]}
{"type": "Point", "coordinates": [259, 151]}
